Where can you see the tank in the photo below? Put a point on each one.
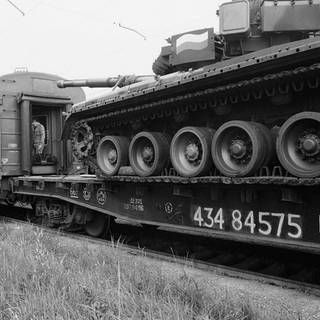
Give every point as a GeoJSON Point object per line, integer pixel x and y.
{"type": "Point", "coordinates": [242, 103]}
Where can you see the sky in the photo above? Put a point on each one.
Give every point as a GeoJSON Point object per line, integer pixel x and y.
{"type": "Point", "coordinates": [83, 39]}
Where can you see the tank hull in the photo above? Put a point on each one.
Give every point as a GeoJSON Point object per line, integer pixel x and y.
{"type": "Point", "coordinates": [217, 79]}
{"type": "Point", "coordinates": [245, 99]}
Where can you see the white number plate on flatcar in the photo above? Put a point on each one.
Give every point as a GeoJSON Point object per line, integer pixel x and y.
{"type": "Point", "coordinates": [278, 224]}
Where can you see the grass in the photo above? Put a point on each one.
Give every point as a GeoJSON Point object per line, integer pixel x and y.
{"type": "Point", "coordinates": [51, 277]}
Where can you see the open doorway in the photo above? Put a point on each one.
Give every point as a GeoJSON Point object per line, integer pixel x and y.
{"type": "Point", "coordinates": [46, 131]}
{"type": "Point", "coordinates": [40, 132]}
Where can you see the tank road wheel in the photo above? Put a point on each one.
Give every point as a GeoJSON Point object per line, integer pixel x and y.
{"type": "Point", "coordinates": [112, 153]}
{"type": "Point", "coordinates": [240, 148]}
{"type": "Point", "coordinates": [298, 144]}
{"type": "Point", "coordinates": [97, 224]}
{"type": "Point", "coordinates": [190, 151]}
{"type": "Point", "coordinates": [149, 153]}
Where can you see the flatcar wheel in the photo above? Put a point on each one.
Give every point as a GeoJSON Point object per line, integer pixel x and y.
{"type": "Point", "coordinates": [149, 153]}
{"type": "Point", "coordinates": [298, 144]}
{"type": "Point", "coordinates": [190, 151]}
{"type": "Point", "coordinates": [112, 153]}
{"type": "Point", "coordinates": [239, 148]}
{"type": "Point", "coordinates": [97, 225]}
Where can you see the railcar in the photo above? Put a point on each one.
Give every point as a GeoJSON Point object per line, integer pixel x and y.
{"type": "Point", "coordinates": [26, 97]}
{"type": "Point", "coordinates": [222, 141]}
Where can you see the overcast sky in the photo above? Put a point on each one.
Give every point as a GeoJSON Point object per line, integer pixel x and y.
{"type": "Point", "coordinates": [82, 39]}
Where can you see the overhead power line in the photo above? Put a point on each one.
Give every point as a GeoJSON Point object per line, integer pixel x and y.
{"type": "Point", "coordinates": [15, 6]}
{"type": "Point", "coordinates": [130, 29]}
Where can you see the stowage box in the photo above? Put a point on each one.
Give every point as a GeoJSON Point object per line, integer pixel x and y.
{"type": "Point", "coordinates": [289, 15]}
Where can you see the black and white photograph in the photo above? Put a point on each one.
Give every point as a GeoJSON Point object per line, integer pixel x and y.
{"type": "Point", "coordinates": [160, 160]}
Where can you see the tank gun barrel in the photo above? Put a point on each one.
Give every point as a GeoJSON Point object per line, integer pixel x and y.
{"type": "Point", "coordinates": [119, 81]}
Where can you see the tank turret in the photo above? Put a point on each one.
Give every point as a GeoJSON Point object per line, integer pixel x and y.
{"type": "Point", "coordinates": [245, 27]}
{"type": "Point", "coordinates": [248, 26]}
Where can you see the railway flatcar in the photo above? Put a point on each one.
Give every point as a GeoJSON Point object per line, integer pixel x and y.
{"type": "Point", "coordinates": [222, 141]}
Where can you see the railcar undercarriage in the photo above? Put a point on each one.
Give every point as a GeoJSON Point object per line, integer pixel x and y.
{"type": "Point", "coordinates": [280, 212]}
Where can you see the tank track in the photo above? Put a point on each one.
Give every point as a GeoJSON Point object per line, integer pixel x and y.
{"type": "Point", "coordinates": [262, 180]}
{"type": "Point", "coordinates": [256, 88]}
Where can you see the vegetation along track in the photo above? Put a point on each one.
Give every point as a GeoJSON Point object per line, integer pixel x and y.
{"type": "Point", "coordinates": [283, 268]}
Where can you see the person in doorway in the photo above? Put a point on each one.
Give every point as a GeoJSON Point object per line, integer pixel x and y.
{"type": "Point", "coordinates": [38, 138]}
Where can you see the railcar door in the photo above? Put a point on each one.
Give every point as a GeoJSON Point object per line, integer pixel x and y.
{"type": "Point", "coordinates": [41, 128]}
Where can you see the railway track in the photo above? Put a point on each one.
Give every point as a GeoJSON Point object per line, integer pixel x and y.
{"type": "Point", "coordinates": [228, 260]}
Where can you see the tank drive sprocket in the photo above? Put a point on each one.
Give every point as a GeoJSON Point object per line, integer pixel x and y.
{"type": "Point", "coordinates": [81, 140]}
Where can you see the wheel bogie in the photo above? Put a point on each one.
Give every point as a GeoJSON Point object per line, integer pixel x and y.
{"type": "Point", "coordinates": [97, 225]}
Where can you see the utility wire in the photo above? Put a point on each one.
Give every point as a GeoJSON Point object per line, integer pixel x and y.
{"type": "Point", "coordinates": [130, 29]}
{"type": "Point", "coordinates": [15, 6]}
{"type": "Point", "coordinates": [119, 24]}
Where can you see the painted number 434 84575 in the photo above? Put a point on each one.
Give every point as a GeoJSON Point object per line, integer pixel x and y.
{"type": "Point", "coordinates": [263, 223]}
